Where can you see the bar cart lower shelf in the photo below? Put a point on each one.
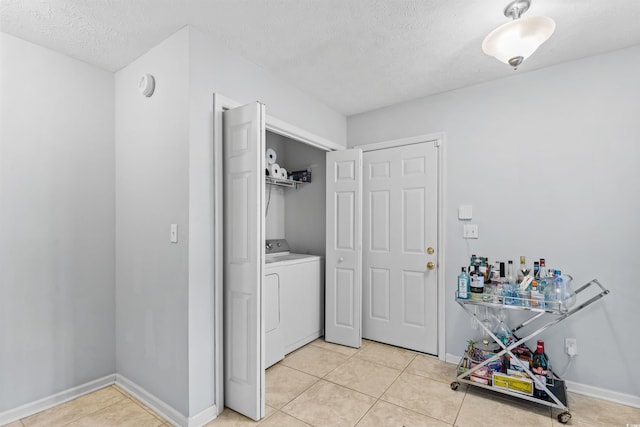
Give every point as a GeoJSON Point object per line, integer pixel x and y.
{"type": "Point", "coordinates": [483, 368]}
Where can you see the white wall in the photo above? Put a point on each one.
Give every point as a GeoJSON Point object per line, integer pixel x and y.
{"type": "Point", "coordinates": [152, 192]}
{"type": "Point", "coordinates": [549, 161]}
{"type": "Point", "coordinates": [56, 221]}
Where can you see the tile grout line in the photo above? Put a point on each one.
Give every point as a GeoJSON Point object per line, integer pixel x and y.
{"type": "Point", "coordinates": [79, 397]}
{"type": "Point", "coordinates": [377, 399]}
{"type": "Point", "coordinates": [299, 394]}
{"type": "Point", "coordinates": [294, 417]}
{"type": "Point", "coordinates": [460, 408]}
{"type": "Point", "coordinates": [385, 390]}
{"type": "Point", "coordinates": [421, 376]}
{"type": "Point", "coordinates": [140, 404]}
{"type": "Point", "coordinates": [95, 412]}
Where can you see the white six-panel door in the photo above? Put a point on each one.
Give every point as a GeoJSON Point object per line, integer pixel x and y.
{"type": "Point", "coordinates": [343, 258]}
{"type": "Point", "coordinates": [400, 297]}
{"type": "Point", "coordinates": [244, 136]}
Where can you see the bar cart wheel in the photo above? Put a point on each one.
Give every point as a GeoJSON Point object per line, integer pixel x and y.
{"type": "Point", "coordinates": [564, 417]}
{"type": "Point", "coordinates": [456, 384]}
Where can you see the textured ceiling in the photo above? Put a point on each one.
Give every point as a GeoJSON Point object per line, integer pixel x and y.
{"type": "Point", "coordinates": [354, 55]}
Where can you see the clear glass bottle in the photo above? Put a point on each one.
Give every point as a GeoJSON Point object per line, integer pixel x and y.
{"type": "Point", "coordinates": [523, 271]}
{"type": "Point", "coordinates": [511, 278]}
{"type": "Point", "coordinates": [543, 269]}
{"type": "Point", "coordinates": [533, 293]}
{"type": "Point", "coordinates": [551, 294]}
{"type": "Point", "coordinates": [509, 287]}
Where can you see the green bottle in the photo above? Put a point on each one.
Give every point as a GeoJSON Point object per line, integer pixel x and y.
{"type": "Point", "coordinates": [464, 284]}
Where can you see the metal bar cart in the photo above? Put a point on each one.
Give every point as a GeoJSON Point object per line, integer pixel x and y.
{"type": "Point", "coordinates": [539, 320]}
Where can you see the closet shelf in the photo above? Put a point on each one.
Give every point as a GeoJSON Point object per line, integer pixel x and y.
{"type": "Point", "coordinates": [283, 182]}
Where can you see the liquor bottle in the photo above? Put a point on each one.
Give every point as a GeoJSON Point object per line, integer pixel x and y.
{"type": "Point", "coordinates": [484, 269]}
{"type": "Point", "coordinates": [543, 269]}
{"type": "Point", "coordinates": [477, 285]}
{"type": "Point", "coordinates": [523, 270]}
{"type": "Point", "coordinates": [540, 368]}
{"type": "Point", "coordinates": [500, 283]}
{"type": "Point", "coordinates": [534, 295]}
{"type": "Point", "coordinates": [464, 284]}
{"type": "Point", "coordinates": [536, 270]}
{"type": "Point", "coordinates": [511, 278]}
{"type": "Point", "coordinates": [551, 295]}
{"type": "Point", "coordinates": [509, 286]}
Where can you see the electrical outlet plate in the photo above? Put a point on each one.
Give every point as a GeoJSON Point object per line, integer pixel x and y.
{"type": "Point", "coordinates": [470, 231]}
{"type": "Point", "coordinates": [571, 346]}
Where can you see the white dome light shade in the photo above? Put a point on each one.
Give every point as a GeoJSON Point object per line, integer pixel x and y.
{"type": "Point", "coordinates": [515, 41]}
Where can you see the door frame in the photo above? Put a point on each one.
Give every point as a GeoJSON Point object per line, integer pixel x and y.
{"type": "Point", "coordinates": [438, 139]}
{"type": "Point", "coordinates": [272, 124]}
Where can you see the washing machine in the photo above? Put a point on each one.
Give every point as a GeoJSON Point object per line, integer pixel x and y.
{"type": "Point", "coordinates": [293, 292]}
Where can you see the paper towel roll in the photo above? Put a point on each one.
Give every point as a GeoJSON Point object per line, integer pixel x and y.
{"type": "Point", "coordinates": [275, 170]}
{"type": "Point", "coordinates": [270, 156]}
{"type": "Point", "coordinates": [283, 173]}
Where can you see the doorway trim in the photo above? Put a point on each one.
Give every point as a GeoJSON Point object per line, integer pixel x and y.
{"type": "Point", "coordinates": [275, 125]}
{"type": "Point", "coordinates": [438, 139]}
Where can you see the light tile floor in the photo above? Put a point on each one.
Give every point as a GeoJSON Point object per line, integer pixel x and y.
{"type": "Point", "coordinates": [109, 406]}
{"type": "Point", "coordinates": [323, 384]}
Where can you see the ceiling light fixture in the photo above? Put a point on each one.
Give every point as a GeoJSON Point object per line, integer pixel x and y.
{"type": "Point", "coordinates": [515, 41]}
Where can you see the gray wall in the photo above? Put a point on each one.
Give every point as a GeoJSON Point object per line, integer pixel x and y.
{"type": "Point", "coordinates": [152, 192]}
{"type": "Point", "coordinates": [164, 292]}
{"type": "Point", "coordinates": [305, 208]}
{"type": "Point", "coordinates": [549, 161]}
{"type": "Point", "coordinates": [274, 195]}
{"type": "Point", "coordinates": [298, 214]}
{"type": "Point", "coordinates": [214, 69]}
{"type": "Point", "coordinates": [57, 326]}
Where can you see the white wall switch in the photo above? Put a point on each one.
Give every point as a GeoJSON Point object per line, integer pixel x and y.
{"type": "Point", "coordinates": [470, 231]}
{"type": "Point", "coordinates": [465, 212]}
{"type": "Point", "coordinates": [174, 233]}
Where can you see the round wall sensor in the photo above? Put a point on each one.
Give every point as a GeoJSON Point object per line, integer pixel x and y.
{"type": "Point", "coordinates": [147, 85]}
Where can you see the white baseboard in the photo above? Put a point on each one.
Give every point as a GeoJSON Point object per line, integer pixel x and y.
{"type": "Point", "coordinates": [604, 394]}
{"type": "Point", "coordinates": [155, 404]}
{"type": "Point", "coordinates": [452, 358]}
{"type": "Point", "coordinates": [55, 399]}
{"type": "Point", "coordinates": [579, 388]}
{"type": "Point", "coordinates": [158, 406]}
{"type": "Point", "coordinates": [209, 414]}
{"type": "Point", "coordinates": [164, 410]}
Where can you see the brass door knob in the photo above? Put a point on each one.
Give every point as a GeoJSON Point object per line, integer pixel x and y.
{"type": "Point", "coordinates": [430, 250]}
{"type": "Point", "coordinates": [431, 265]}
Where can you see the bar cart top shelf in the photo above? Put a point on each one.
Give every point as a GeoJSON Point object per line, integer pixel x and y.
{"type": "Point", "coordinates": [561, 308]}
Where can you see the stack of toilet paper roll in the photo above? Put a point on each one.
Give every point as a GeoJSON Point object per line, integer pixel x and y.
{"type": "Point", "coordinates": [273, 169]}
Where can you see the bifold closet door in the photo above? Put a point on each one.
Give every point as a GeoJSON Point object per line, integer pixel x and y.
{"type": "Point", "coordinates": [244, 138]}
{"type": "Point", "coordinates": [343, 280]}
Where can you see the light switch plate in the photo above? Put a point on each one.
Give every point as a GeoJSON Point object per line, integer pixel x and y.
{"type": "Point", "coordinates": [465, 212]}
{"type": "Point", "coordinates": [174, 233]}
{"type": "Point", "coordinates": [470, 231]}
